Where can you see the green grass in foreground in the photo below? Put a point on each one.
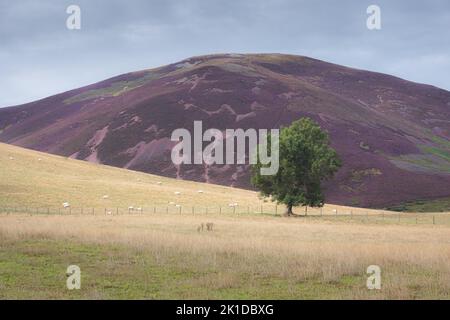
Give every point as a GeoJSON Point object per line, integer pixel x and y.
{"type": "Point", "coordinates": [35, 269]}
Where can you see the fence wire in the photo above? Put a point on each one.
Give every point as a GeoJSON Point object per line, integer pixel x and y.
{"type": "Point", "coordinates": [360, 215]}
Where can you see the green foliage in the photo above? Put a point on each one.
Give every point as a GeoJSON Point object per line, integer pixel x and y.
{"type": "Point", "coordinates": [113, 90]}
{"type": "Point", "coordinates": [437, 205]}
{"type": "Point", "coordinates": [306, 159]}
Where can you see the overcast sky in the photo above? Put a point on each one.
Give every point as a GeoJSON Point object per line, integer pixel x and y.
{"type": "Point", "coordinates": [39, 56]}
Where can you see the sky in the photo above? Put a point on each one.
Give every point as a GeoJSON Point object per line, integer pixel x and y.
{"type": "Point", "coordinates": [40, 56]}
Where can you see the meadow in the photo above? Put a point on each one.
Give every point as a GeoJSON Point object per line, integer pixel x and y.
{"type": "Point", "coordinates": [166, 255]}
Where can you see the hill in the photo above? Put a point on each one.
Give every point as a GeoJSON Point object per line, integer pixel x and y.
{"type": "Point", "coordinates": [393, 135]}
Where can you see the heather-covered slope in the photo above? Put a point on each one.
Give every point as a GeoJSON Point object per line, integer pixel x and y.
{"type": "Point", "coordinates": [393, 135]}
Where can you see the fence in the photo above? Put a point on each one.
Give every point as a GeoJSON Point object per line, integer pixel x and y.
{"type": "Point", "coordinates": [357, 215]}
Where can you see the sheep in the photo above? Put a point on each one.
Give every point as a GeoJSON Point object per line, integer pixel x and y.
{"type": "Point", "coordinates": [159, 183]}
{"type": "Point", "coordinates": [171, 203]}
{"type": "Point", "coordinates": [108, 212]}
{"type": "Point", "coordinates": [178, 205]}
{"type": "Point", "coordinates": [139, 209]}
{"type": "Point", "coordinates": [11, 158]}
{"type": "Point", "coordinates": [105, 196]}
{"type": "Point", "coordinates": [66, 205]}
{"type": "Point", "coordinates": [177, 193]}
{"type": "Point", "coordinates": [200, 191]}
{"type": "Point", "coordinates": [130, 208]}
{"type": "Point", "coordinates": [39, 159]}
{"type": "Point", "coordinates": [233, 204]}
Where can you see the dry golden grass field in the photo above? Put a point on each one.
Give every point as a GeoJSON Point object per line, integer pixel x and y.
{"type": "Point", "coordinates": [157, 254]}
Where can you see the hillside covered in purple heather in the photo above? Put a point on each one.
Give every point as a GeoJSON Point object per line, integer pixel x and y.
{"type": "Point", "coordinates": [392, 135]}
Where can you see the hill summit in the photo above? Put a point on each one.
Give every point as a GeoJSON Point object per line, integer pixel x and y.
{"type": "Point", "coordinates": [393, 135]}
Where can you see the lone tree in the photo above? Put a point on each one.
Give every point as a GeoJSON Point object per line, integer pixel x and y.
{"type": "Point", "coordinates": [305, 160]}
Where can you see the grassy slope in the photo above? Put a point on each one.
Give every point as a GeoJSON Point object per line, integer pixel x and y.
{"type": "Point", "coordinates": [26, 181]}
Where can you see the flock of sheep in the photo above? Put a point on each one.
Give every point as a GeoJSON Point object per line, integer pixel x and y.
{"type": "Point", "coordinates": [66, 204]}
{"type": "Point", "coordinates": [139, 209]}
{"type": "Point", "coordinates": [209, 225]}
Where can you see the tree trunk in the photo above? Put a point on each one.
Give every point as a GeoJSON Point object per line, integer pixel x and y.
{"type": "Point", "coordinates": [289, 210]}
{"type": "Point", "coordinates": [306, 210]}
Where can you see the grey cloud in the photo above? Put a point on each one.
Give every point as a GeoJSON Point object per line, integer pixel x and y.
{"type": "Point", "coordinates": [41, 57]}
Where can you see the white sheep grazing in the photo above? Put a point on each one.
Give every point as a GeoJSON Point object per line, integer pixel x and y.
{"type": "Point", "coordinates": [130, 208]}
{"type": "Point", "coordinates": [334, 210]}
{"type": "Point", "coordinates": [177, 193]}
{"type": "Point", "coordinates": [66, 205]}
{"type": "Point", "coordinates": [105, 196]}
{"type": "Point", "coordinates": [11, 158]}
{"type": "Point", "coordinates": [178, 205]}
{"type": "Point", "coordinates": [39, 159]}
{"type": "Point", "coordinates": [139, 209]}
{"type": "Point", "coordinates": [200, 191]}
{"type": "Point", "coordinates": [108, 212]}
{"type": "Point", "coordinates": [159, 183]}
{"type": "Point", "coordinates": [171, 202]}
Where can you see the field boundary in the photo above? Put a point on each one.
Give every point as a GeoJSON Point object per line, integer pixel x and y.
{"type": "Point", "coordinates": [358, 215]}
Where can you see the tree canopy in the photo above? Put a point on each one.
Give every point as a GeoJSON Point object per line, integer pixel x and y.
{"type": "Point", "coordinates": [305, 160]}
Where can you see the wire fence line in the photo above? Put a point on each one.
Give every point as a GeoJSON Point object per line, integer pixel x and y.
{"type": "Point", "coordinates": [180, 209]}
{"type": "Point", "coordinates": [360, 215]}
